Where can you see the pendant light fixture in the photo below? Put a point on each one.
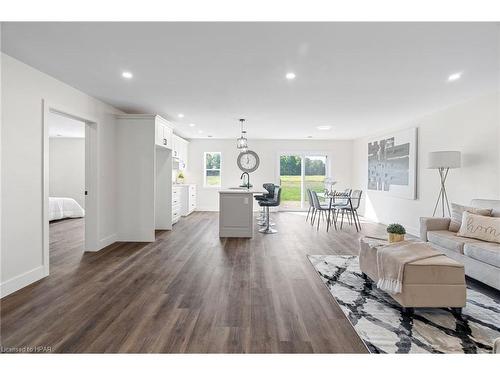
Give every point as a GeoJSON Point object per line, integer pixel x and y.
{"type": "Point", "coordinates": [242, 142]}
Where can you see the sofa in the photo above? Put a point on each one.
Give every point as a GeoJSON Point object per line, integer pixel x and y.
{"type": "Point", "coordinates": [481, 259]}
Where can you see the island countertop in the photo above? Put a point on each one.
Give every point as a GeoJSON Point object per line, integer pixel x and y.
{"type": "Point", "coordinates": [240, 191]}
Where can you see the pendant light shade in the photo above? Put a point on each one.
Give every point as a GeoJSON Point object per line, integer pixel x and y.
{"type": "Point", "coordinates": [242, 142]}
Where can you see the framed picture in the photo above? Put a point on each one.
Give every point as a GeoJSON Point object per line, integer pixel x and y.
{"type": "Point", "coordinates": [392, 164]}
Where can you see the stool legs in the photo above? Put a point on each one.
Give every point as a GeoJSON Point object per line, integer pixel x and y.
{"type": "Point", "coordinates": [267, 229]}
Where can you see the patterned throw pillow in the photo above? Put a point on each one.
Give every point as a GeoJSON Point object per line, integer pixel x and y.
{"type": "Point", "coordinates": [456, 215]}
{"type": "Point", "coordinates": [484, 228]}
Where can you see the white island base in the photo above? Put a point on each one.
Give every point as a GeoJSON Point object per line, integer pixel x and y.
{"type": "Point", "coordinates": [236, 212]}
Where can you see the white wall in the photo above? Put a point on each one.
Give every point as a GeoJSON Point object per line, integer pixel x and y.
{"type": "Point", "coordinates": [67, 168]}
{"type": "Point", "coordinates": [268, 151]}
{"type": "Point", "coordinates": [472, 127]}
{"type": "Point", "coordinates": [23, 89]}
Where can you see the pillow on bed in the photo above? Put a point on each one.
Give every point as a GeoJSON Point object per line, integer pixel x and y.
{"type": "Point", "coordinates": [456, 215]}
{"type": "Point", "coordinates": [484, 228]}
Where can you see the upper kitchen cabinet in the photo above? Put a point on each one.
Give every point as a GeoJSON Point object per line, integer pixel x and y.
{"type": "Point", "coordinates": [164, 135]}
{"type": "Point", "coordinates": [180, 151]}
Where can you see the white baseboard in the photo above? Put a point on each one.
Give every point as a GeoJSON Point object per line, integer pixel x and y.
{"type": "Point", "coordinates": [209, 209]}
{"type": "Point", "coordinates": [106, 241]}
{"type": "Point", "coordinates": [410, 230]}
{"type": "Point", "coordinates": [22, 280]}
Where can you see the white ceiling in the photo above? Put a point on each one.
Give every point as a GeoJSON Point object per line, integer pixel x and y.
{"type": "Point", "coordinates": [65, 127]}
{"type": "Point", "coordinates": [360, 78]}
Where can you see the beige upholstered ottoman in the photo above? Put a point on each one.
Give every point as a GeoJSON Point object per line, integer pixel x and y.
{"type": "Point", "coordinates": [433, 282]}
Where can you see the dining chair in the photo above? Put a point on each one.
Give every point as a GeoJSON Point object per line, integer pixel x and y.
{"type": "Point", "coordinates": [320, 210]}
{"type": "Point", "coordinates": [351, 209]}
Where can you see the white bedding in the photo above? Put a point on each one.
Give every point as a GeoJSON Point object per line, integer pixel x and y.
{"type": "Point", "coordinates": [61, 208]}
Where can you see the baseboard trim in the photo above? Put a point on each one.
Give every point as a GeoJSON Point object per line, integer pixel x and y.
{"type": "Point", "coordinates": [106, 241]}
{"type": "Point", "coordinates": [18, 282]}
{"type": "Point", "coordinates": [207, 209]}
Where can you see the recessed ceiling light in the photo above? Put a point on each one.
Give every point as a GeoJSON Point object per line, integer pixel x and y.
{"type": "Point", "coordinates": [323, 127]}
{"type": "Point", "coordinates": [180, 115]}
{"type": "Point", "coordinates": [454, 76]}
{"type": "Point", "coordinates": [290, 75]}
{"type": "Point", "coordinates": [200, 131]}
{"type": "Point", "coordinates": [127, 75]}
{"type": "Point", "coordinates": [192, 125]}
{"type": "Point", "coordinates": [309, 136]}
{"type": "Point", "coordinates": [59, 135]}
{"type": "Point", "coordinates": [209, 136]}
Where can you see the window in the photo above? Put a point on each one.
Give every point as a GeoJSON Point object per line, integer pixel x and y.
{"type": "Point", "coordinates": [299, 172]}
{"type": "Point", "coordinates": [212, 163]}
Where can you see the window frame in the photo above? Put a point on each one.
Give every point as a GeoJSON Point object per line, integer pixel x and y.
{"type": "Point", "coordinates": [205, 185]}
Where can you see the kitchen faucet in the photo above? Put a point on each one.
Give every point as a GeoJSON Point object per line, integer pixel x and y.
{"type": "Point", "coordinates": [247, 184]}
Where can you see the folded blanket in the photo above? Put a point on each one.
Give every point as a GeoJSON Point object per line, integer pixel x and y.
{"type": "Point", "coordinates": [391, 261]}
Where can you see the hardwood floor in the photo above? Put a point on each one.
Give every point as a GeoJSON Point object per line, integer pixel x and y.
{"type": "Point", "coordinates": [188, 292]}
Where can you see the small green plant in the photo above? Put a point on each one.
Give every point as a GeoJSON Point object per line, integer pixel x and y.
{"type": "Point", "coordinates": [180, 175]}
{"type": "Point", "coordinates": [396, 229]}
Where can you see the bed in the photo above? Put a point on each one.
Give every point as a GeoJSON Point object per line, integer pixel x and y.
{"type": "Point", "coordinates": [62, 208]}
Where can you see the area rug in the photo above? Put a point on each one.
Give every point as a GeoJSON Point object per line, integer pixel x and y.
{"type": "Point", "coordinates": [382, 326]}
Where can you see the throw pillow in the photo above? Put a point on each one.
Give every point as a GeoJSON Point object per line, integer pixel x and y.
{"type": "Point", "coordinates": [484, 228]}
{"type": "Point", "coordinates": [456, 215]}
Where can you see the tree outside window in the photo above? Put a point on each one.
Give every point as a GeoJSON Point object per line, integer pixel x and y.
{"type": "Point", "coordinates": [212, 169]}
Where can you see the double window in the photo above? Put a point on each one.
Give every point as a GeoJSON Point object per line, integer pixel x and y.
{"type": "Point", "coordinates": [212, 169]}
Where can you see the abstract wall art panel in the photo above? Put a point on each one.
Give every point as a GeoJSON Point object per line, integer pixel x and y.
{"type": "Point", "coordinates": [392, 164]}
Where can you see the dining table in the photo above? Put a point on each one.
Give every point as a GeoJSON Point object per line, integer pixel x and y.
{"type": "Point", "coordinates": [345, 201]}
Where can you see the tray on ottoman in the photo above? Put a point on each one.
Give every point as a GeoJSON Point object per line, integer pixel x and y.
{"type": "Point", "coordinates": [432, 282]}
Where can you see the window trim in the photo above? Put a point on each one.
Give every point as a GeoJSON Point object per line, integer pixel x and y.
{"type": "Point", "coordinates": [205, 185]}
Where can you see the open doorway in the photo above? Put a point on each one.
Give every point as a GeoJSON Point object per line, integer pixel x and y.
{"type": "Point", "coordinates": [70, 179]}
{"type": "Point", "coordinates": [66, 181]}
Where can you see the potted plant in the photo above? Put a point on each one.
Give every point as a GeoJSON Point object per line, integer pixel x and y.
{"type": "Point", "coordinates": [396, 233]}
{"type": "Point", "coordinates": [180, 177]}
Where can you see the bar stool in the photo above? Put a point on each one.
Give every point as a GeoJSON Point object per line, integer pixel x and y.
{"type": "Point", "coordinates": [261, 219]}
{"type": "Point", "coordinates": [273, 202]}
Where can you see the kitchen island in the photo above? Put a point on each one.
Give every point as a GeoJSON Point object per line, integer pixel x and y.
{"type": "Point", "coordinates": [236, 212]}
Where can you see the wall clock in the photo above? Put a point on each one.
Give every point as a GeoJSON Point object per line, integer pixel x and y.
{"type": "Point", "coordinates": [248, 161]}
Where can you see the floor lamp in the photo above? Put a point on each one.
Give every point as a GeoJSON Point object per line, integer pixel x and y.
{"type": "Point", "coordinates": [443, 161]}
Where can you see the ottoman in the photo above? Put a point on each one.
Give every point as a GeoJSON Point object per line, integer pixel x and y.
{"type": "Point", "coordinates": [433, 282]}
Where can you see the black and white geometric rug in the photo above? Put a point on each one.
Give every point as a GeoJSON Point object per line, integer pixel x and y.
{"type": "Point", "coordinates": [379, 322]}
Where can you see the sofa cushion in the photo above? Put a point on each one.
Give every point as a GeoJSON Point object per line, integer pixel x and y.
{"type": "Point", "coordinates": [449, 240]}
{"type": "Point", "coordinates": [487, 203]}
{"type": "Point", "coordinates": [480, 227]}
{"type": "Point", "coordinates": [457, 211]}
{"type": "Point", "coordinates": [486, 252]}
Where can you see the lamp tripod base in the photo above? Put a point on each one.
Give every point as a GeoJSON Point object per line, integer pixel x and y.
{"type": "Point", "coordinates": [442, 197]}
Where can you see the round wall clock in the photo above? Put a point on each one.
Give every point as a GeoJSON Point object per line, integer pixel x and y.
{"type": "Point", "coordinates": [248, 161]}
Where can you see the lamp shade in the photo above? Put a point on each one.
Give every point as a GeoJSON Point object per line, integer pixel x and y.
{"type": "Point", "coordinates": [444, 159]}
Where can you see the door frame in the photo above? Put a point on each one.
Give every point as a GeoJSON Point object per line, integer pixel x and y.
{"type": "Point", "coordinates": [303, 154]}
{"type": "Point", "coordinates": [91, 177]}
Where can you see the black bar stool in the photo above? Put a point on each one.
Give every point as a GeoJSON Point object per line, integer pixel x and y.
{"type": "Point", "coordinates": [272, 202]}
{"type": "Point", "coordinates": [261, 219]}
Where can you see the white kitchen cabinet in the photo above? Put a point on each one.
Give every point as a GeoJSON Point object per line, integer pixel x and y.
{"type": "Point", "coordinates": [176, 203]}
{"type": "Point", "coordinates": [180, 151]}
{"type": "Point", "coordinates": [183, 153]}
{"type": "Point", "coordinates": [188, 199]}
{"type": "Point", "coordinates": [176, 143]}
{"type": "Point", "coordinates": [164, 134]}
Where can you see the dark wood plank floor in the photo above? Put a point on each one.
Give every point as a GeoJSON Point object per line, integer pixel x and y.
{"type": "Point", "coordinates": [188, 292]}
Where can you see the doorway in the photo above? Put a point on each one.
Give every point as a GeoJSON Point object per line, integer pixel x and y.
{"type": "Point", "coordinates": [299, 172]}
{"type": "Point", "coordinates": [69, 183]}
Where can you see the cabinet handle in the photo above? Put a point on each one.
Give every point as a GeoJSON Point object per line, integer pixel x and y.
{"type": "Point", "coordinates": [165, 141]}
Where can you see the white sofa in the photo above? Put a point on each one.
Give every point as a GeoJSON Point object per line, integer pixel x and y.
{"type": "Point", "coordinates": [481, 259]}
